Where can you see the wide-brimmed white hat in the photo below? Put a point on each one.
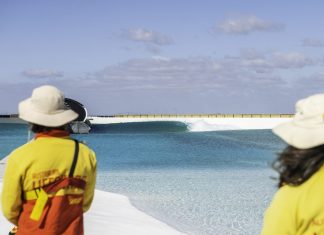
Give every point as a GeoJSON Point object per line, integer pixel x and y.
{"type": "Point", "coordinates": [46, 107]}
{"type": "Point", "coordinates": [306, 130]}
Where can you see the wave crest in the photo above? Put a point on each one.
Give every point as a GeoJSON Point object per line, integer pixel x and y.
{"type": "Point", "coordinates": [140, 127]}
{"type": "Point", "coordinates": [202, 126]}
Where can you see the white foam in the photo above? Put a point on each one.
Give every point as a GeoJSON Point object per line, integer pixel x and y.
{"type": "Point", "coordinates": [203, 125]}
{"type": "Point", "coordinates": [220, 124]}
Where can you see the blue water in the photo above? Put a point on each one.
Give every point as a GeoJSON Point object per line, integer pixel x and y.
{"type": "Point", "coordinates": [201, 183]}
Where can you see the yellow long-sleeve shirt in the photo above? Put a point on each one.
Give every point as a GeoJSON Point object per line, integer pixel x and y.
{"type": "Point", "coordinates": [297, 210]}
{"type": "Point", "coordinates": [41, 162]}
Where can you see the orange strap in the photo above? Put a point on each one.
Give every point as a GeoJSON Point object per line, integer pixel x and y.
{"type": "Point", "coordinates": [57, 185]}
{"type": "Point", "coordinates": [52, 133]}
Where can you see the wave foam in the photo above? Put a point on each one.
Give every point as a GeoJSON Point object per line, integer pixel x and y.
{"type": "Point", "coordinates": [202, 126]}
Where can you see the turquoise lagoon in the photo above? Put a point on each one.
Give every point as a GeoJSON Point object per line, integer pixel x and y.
{"type": "Point", "coordinates": [201, 183]}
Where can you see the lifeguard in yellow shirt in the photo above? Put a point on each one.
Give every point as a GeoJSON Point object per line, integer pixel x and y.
{"type": "Point", "coordinates": [49, 182]}
{"type": "Point", "coordinates": [298, 206]}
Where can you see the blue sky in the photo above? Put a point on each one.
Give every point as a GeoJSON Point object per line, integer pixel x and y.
{"type": "Point", "coordinates": [144, 56]}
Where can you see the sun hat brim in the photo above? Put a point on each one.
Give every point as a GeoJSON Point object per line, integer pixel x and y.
{"type": "Point", "coordinates": [61, 117]}
{"type": "Point", "coordinates": [299, 136]}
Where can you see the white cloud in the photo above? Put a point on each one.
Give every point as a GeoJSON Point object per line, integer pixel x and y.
{"type": "Point", "coordinates": [162, 58]}
{"type": "Point", "coordinates": [291, 60]}
{"type": "Point", "coordinates": [251, 69]}
{"type": "Point", "coordinates": [246, 25]}
{"type": "Point", "coordinates": [252, 76]}
{"type": "Point", "coordinates": [310, 42]}
{"type": "Point", "coordinates": [272, 62]}
{"type": "Point", "coordinates": [42, 73]}
{"type": "Point", "coordinates": [187, 74]}
{"type": "Point", "coordinates": [148, 36]}
{"type": "Point", "coordinates": [258, 65]}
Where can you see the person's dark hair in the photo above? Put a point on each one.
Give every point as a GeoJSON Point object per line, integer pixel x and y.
{"type": "Point", "coordinates": [295, 166]}
{"type": "Point", "coordinates": [39, 129]}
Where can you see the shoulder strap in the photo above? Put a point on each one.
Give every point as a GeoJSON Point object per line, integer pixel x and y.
{"type": "Point", "coordinates": [75, 158]}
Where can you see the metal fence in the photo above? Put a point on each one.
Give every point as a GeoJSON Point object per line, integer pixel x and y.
{"type": "Point", "coordinates": [200, 116]}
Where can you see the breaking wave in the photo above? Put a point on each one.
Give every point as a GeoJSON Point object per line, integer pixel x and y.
{"type": "Point", "coordinates": [202, 126]}
{"type": "Point", "coordinates": [140, 127]}
{"type": "Point", "coordinates": [160, 126]}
